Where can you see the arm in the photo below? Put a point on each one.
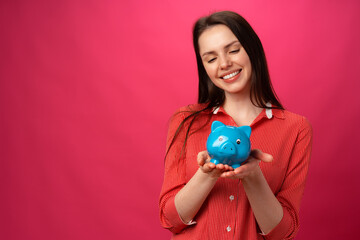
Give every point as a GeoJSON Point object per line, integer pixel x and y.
{"type": "Point", "coordinates": [180, 200]}
{"type": "Point", "coordinates": [174, 177]}
{"type": "Point", "coordinates": [292, 189]}
{"type": "Point", "coordinates": [278, 214]}
{"type": "Point", "coordinates": [267, 209]}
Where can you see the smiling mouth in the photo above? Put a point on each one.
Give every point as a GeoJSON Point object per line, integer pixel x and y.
{"type": "Point", "coordinates": [231, 75]}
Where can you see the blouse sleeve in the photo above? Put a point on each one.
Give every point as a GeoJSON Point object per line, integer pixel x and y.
{"type": "Point", "coordinates": [293, 186]}
{"type": "Point", "coordinates": [174, 176]}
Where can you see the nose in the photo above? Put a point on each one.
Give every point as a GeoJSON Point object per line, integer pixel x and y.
{"type": "Point", "coordinates": [225, 62]}
{"type": "Point", "coordinates": [228, 148]}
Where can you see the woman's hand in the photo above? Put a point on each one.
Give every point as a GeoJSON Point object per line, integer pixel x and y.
{"type": "Point", "coordinates": [251, 166]}
{"type": "Point", "coordinates": [210, 168]}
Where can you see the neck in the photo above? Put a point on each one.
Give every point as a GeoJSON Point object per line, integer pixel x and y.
{"type": "Point", "coordinates": [240, 108]}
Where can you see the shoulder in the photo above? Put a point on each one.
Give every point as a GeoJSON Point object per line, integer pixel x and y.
{"type": "Point", "coordinates": [297, 122]}
{"type": "Point", "coordinates": [184, 116]}
{"type": "Point", "coordinates": [188, 110]}
{"type": "Point", "coordinates": [192, 107]}
{"type": "Point", "coordinates": [294, 117]}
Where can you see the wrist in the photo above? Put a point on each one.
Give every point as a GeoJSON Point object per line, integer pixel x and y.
{"type": "Point", "coordinates": [209, 175]}
{"type": "Point", "coordinates": [253, 176]}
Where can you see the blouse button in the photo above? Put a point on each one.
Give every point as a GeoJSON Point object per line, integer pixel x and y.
{"type": "Point", "coordinates": [231, 197]}
{"type": "Point", "coordinates": [228, 228]}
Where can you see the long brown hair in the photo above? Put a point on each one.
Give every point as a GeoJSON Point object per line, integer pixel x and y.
{"type": "Point", "coordinates": [261, 90]}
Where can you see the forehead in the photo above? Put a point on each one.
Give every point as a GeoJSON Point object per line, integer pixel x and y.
{"type": "Point", "coordinates": [215, 38]}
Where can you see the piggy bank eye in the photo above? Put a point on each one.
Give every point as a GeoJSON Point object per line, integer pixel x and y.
{"type": "Point", "coordinates": [238, 141]}
{"type": "Point", "coordinates": [221, 138]}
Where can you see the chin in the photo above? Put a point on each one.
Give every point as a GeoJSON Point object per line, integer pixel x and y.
{"type": "Point", "coordinates": [237, 90]}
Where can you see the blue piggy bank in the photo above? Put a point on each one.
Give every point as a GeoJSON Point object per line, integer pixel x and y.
{"type": "Point", "coordinates": [228, 145]}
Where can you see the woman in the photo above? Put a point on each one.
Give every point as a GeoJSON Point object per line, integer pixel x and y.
{"type": "Point", "coordinates": [260, 199]}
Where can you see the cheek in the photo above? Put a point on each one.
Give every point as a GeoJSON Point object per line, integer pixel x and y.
{"type": "Point", "coordinates": [249, 67]}
{"type": "Point", "coordinates": [246, 63]}
{"type": "Point", "coordinates": [210, 70]}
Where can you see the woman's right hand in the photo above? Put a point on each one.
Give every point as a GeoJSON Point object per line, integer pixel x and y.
{"type": "Point", "coordinates": [210, 168]}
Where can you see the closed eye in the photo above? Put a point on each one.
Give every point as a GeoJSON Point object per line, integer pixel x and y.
{"type": "Point", "coordinates": [235, 51]}
{"type": "Point", "coordinates": [211, 60]}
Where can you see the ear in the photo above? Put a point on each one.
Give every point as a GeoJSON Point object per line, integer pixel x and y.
{"type": "Point", "coordinates": [246, 130]}
{"type": "Point", "coordinates": [216, 124]}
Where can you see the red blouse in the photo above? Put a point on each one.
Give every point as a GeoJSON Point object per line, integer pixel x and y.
{"type": "Point", "coordinates": [226, 213]}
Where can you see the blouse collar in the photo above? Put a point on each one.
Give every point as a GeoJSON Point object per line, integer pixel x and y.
{"type": "Point", "coordinates": [269, 112]}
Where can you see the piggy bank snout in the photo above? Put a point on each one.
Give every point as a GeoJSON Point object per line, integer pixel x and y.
{"type": "Point", "coordinates": [228, 148]}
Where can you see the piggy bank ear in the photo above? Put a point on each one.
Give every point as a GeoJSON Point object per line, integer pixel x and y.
{"type": "Point", "coordinates": [216, 124]}
{"type": "Point", "coordinates": [246, 130]}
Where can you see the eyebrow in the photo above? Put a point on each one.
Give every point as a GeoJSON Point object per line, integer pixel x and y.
{"type": "Point", "coordinates": [227, 46]}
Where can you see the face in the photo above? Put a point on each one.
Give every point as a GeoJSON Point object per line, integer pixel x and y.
{"type": "Point", "coordinates": [225, 60]}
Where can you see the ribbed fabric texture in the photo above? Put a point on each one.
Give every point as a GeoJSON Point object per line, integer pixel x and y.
{"type": "Point", "coordinates": [226, 213]}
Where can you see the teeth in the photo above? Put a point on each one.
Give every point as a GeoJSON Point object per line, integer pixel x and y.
{"type": "Point", "coordinates": [231, 75]}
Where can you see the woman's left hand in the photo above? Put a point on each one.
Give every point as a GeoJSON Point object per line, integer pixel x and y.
{"type": "Point", "coordinates": [250, 167]}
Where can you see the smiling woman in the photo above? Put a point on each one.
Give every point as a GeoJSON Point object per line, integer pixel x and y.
{"type": "Point", "coordinates": [225, 60]}
{"type": "Point", "coordinates": [261, 198]}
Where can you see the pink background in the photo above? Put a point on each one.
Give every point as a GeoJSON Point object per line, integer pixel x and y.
{"type": "Point", "coordinates": [87, 89]}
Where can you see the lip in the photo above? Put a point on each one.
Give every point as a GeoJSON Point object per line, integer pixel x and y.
{"type": "Point", "coordinates": [232, 79]}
